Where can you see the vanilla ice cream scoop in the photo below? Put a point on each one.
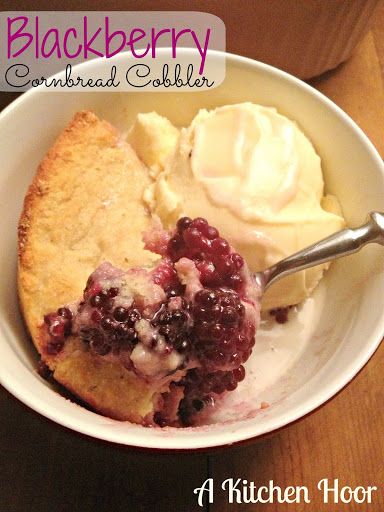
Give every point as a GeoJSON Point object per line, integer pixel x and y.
{"type": "Point", "coordinates": [246, 158]}
{"type": "Point", "coordinates": [254, 174]}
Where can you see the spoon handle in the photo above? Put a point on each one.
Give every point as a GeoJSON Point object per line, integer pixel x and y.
{"type": "Point", "coordinates": [340, 244]}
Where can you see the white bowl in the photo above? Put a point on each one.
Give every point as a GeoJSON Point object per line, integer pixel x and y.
{"type": "Point", "coordinates": [315, 355]}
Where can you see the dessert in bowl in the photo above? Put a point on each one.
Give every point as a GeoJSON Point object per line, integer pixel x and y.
{"type": "Point", "coordinates": [294, 367]}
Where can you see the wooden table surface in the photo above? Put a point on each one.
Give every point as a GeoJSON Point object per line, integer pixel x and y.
{"type": "Point", "coordinates": [45, 467]}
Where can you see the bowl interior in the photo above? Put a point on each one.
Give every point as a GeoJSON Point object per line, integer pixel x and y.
{"type": "Point", "coordinates": [295, 367]}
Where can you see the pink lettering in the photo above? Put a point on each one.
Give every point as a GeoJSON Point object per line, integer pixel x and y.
{"type": "Point", "coordinates": [11, 37]}
{"type": "Point", "coordinates": [175, 38]}
{"type": "Point", "coordinates": [87, 43]}
{"type": "Point", "coordinates": [55, 45]}
{"type": "Point", "coordinates": [65, 44]}
{"type": "Point", "coordinates": [86, 39]}
{"type": "Point", "coordinates": [155, 37]}
{"type": "Point", "coordinates": [202, 51]}
{"type": "Point", "coordinates": [109, 37]}
{"type": "Point", "coordinates": [133, 40]}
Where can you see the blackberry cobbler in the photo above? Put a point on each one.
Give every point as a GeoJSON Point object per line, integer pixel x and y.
{"type": "Point", "coordinates": [189, 321]}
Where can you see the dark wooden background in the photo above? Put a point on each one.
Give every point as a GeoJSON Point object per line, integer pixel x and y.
{"type": "Point", "coordinates": [44, 467]}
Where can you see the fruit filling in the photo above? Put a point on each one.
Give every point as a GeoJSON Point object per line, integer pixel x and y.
{"type": "Point", "coordinates": [189, 321]}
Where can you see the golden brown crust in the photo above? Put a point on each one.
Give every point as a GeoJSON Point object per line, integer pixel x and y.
{"type": "Point", "coordinates": [83, 207]}
{"type": "Point", "coordinates": [106, 386]}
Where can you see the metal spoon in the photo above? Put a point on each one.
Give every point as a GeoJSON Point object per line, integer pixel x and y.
{"type": "Point", "coordinates": [335, 246]}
